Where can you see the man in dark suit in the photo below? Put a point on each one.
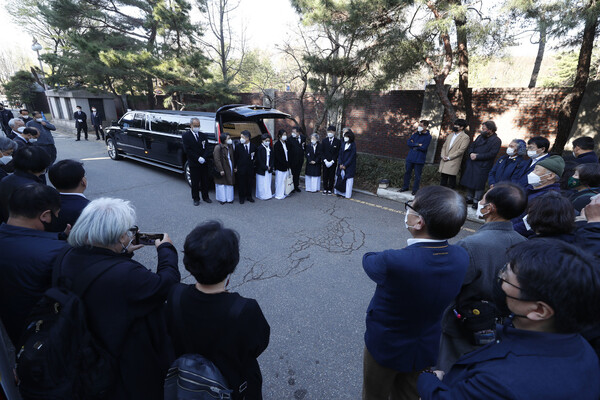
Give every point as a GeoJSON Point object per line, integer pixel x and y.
{"type": "Point", "coordinates": [68, 177]}
{"type": "Point", "coordinates": [297, 146]}
{"type": "Point", "coordinates": [28, 254]}
{"type": "Point", "coordinates": [22, 134]}
{"type": "Point", "coordinates": [414, 286]}
{"type": "Point", "coordinates": [331, 151]}
{"type": "Point", "coordinates": [537, 150]}
{"type": "Point", "coordinates": [24, 116]}
{"type": "Point", "coordinates": [80, 123]}
{"type": "Point", "coordinates": [5, 116]}
{"type": "Point", "coordinates": [244, 161]}
{"type": "Point", "coordinates": [195, 145]}
{"type": "Point", "coordinates": [96, 119]}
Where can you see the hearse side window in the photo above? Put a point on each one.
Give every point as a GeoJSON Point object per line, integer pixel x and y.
{"type": "Point", "coordinates": [127, 120]}
{"type": "Point", "coordinates": [160, 124]}
{"type": "Point", "coordinates": [139, 121]}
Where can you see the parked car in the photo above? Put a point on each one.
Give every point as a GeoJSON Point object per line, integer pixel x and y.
{"type": "Point", "coordinates": [154, 136]}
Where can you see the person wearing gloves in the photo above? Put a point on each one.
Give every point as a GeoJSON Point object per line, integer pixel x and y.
{"type": "Point", "coordinates": [418, 144]}
{"type": "Point", "coordinates": [346, 165]}
{"type": "Point", "coordinates": [314, 157]}
{"type": "Point", "coordinates": [264, 168]}
{"type": "Point", "coordinates": [330, 147]}
{"type": "Point", "coordinates": [195, 146]}
{"type": "Point", "coordinates": [225, 166]}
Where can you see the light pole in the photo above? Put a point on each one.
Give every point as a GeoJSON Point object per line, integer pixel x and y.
{"type": "Point", "coordinates": [37, 47]}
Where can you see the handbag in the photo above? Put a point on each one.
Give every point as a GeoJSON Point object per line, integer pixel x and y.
{"type": "Point", "coordinates": [340, 183]}
{"type": "Point", "coordinates": [289, 183]}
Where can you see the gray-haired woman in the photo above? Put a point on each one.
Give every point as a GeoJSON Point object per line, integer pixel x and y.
{"type": "Point", "coordinates": [7, 147]}
{"type": "Point", "coordinates": [124, 304]}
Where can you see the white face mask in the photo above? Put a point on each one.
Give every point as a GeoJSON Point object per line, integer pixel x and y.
{"type": "Point", "coordinates": [5, 159]}
{"type": "Point", "coordinates": [195, 129]}
{"type": "Point", "coordinates": [420, 129]}
{"type": "Point", "coordinates": [294, 134]}
{"type": "Point", "coordinates": [32, 140]}
{"type": "Point", "coordinates": [284, 138]}
{"type": "Point", "coordinates": [510, 151]}
{"type": "Point", "coordinates": [21, 129]}
{"type": "Point", "coordinates": [329, 135]}
{"type": "Point", "coordinates": [480, 207]}
{"type": "Point", "coordinates": [93, 110]}
{"type": "Point", "coordinates": [406, 222]}
{"type": "Point", "coordinates": [242, 140]}
{"type": "Point", "coordinates": [229, 141]}
{"type": "Point", "coordinates": [266, 144]}
{"type": "Point", "coordinates": [533, 179]}
{"type": "Point", "coordinates": [532, 154]}
{"type": "Point", "coordinates": [313, 141]}
{"type": "Point", "coordinates": [574, 155]}
{"type": "Point", "coordinates": [39, 119]}
{"type": "Point", "coordinates": [346, 139]}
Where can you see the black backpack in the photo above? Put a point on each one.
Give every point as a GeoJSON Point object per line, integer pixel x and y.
{"type": "Point", "coordinates": [193, 376]}
{"type": "Point", "coordinates": [59, 357]}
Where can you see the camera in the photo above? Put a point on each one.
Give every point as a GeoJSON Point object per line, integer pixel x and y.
{"type": "Point", "coordinates": [147, 239]}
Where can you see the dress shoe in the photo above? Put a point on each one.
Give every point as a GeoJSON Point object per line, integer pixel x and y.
{"type": "Point", "coordinates": [469, 201]}
{"type": "Point", "coordinates": [207, 200]}
{"type": "Point", "coordinates": [404, 190]}
{"type": "Point", "coordinates": [251, 200]}
{"type": "Point", "coordinates": [413, 193]}
{"type": "Point", "coordinates": [196, 202]}
{"type": "Point", "coordinates": [78, 140]}
{"type": "Point", "coordinates": [97, 138]}
{"type": "Point", "coordinates": [298, 190]}
{"type": "Point", "coordinates": [241, 201]}
{"type": "Point", "coordinates": [222, 202]}
{"type": "Point", "coordinates": [324, 192]}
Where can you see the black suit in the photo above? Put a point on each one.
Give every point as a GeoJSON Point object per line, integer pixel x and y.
{"type": "Point", "coordinates": [194, 149]}
{"type": "Point", "coordinates": [260, 164]}
{"type": "Point", "coordinates": [21, 142]}
{"type": "Point", "coordinates": [97, 123]}
{"type": "Point", "coordinates": [280, 161]}
{"type": "Point", "coordinates": [80, 115]}
{"type": "Point", "coordinates": [9, 185]}
{"type": "Point", "coordinates": [331, 152]}
{"type": "Point", "coordinates": [244, 161]}
{"type": "Point", "coordinates": [296, 147]}
{"type": "Point", "coordinates": [71, 206]}
{"type": "Point", "coordinates": [5, 116]}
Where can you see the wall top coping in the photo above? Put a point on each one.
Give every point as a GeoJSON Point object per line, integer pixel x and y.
{"type": "Point", "coordinates": [78, 94]}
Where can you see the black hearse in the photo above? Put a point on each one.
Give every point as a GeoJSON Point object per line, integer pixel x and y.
{"type": "Point", "coordinates": [154, 136]}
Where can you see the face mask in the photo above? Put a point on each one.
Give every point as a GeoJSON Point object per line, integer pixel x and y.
{"type": "Point", "coordinates": [329, 135]}
{"type": "Point", "coordinates": [242, 140]}
{"type": "Point", "coordinates": [284, 138]}
{"type": "Point", "coordinates": [532, 154]}
{"type": "Point", "coordinates": [294, 134]}
{"type": "Point", "coordinates": [124, 250]}
{"type": "Point", "coordinates": [93, 110]}
{"type": "Point", "coordinates": [195, 130]}
{"type": "Point", "coordinates": [420, 129]}
{"type": "Point", "coordinates": [346, 139]}
{"type": "Point", "coordinates": [32, 140]}
{"type": "Point", "coordinates": [455, 128]}
{"type": "Point", "coordinates": [406, 222]}
{"type": "Point", "coordinates": [533, 179]}
{"type": "Point", "coordinates": [266, 144]}
{"type": "Point", "coordinates": [229, 141]}
{"type": "Point", "coordinates": [49, 226]}
{"type": "Point", "coordinates": [5, 159]}
{"type": "Point", "coordinates": [526, 223]}
{"type": "Point", "coordinates": [21, 129]}
{"type": "Point", "coordinates": [39, 119]}
{"type": "Point", "coordinates": [573, 183]}
{"type": "Point", "coordinates": [510, 151]}
{"type": "Point", "coordinates": [480, 207]}
{"type": "Point", "coordinates": [313, 141]}
{"type": "Point", "coordinates": [499, 299]}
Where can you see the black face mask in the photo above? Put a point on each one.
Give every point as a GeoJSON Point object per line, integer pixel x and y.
{"type": "Point", "coordinates": [51, 226]}
{"type": "Point", "coordinates": [455, 128]}
{"type": "Point", "coordinates": [499, 299]}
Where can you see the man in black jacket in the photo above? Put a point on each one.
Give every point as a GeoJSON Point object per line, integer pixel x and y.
{"type": "Point", "coordinates": [96, 119]}
{"type": "Point", "coordinates": [68, 177]}
{"type": "Point", "coordinates": [244, 161]}
{"type": "Point", "coordinates": [331, 151]}
{"type": "Point", "coordinates": [5, 116]}
{"type": "Point", "coordinates": [80, 123]}
{"type": "Point", "coordinates": [297, 145]}
{"type": "Point", "coordinates": [195, 145]}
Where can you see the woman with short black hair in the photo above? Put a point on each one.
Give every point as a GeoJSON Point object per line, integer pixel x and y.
{"type": "Point", "coordinates": [346, 165]}
{"type": "Point", "coordinates": [222, 326]}
{"type": "Point", "coordinates": [586, 183]}
{"type": "Point", "coordinates": [264, 168]}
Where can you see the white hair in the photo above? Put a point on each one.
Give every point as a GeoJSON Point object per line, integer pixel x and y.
{"type": "Point", "coordinates": [6, 144]}
{"type": "Point", "coordinates": [102, 223]}
{"type": "Point", "coordinates": [194, 119]}
{"type": "Point", "coordinates": [12, 121]}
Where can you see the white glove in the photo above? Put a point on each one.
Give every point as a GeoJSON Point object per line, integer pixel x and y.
{"type": "Point", "coordinates": [201, 160]}
{"type": "Point", "coordinates": [343, 174]}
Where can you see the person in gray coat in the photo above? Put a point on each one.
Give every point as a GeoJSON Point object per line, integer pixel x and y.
{"type": "Point", "coordinates": [487, 254]}
{"type": "Point", "coordinates": [46, 140]}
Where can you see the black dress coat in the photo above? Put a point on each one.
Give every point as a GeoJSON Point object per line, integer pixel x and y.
{"type": "Point", "coordinates": [296, 151]}
{"type": "Point", "coordinates": [80, 115]}
{"type": "Point", "coordinates": [477, 171]}
{"type": "Point", "coordinates": [9, 184]}
{"type": "Point", "coordinates": [97, 119]}
{"type": "Point", "coordinates": [125, 312]}
{"type": "Point", "coordinates": [331, 150]}
{"type": "Point", "coordinates": [233, 345]}
{"type": "Point", "coordinates": [244, 161]}
{"type": "Point", "coordinates": [316, 156]}
{"type": "Point", "coordinates": [347, 158]}
{"type": "Point", "coordinates": [71, 206]}
{"type": "Point", "coordinates": [260, 163]}
{"type": "Point", "coordinates": [280, 162]}
{"type": "Point", "coordinates": [194, 149]}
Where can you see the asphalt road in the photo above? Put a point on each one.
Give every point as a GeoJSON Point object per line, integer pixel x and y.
{"type": "Point", "coordinates": [300, 258]}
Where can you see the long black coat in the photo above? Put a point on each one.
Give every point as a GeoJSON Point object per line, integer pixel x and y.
{"type": "Point", "coordinates": [477, 171]}
{"type": "Point", "coordinates": [331, 149]}
{"type": "Point", "coordinates": [296, 152]}
{"type": "Point", "coordinates": [125, 312]}
{"type": "Point", "coordinates": [194, 149]}
{"type": "Point", "coordinates": [260, 164]}
{"type": "Point", "coordinates": [244, 161]}
{"type": "Point", "coordinates": [317, 157]}
{"type": "Point", "coordinates": [280, 162]}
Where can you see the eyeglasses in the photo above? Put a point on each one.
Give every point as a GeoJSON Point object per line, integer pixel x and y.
{"type": "Point", "coordinates": [501, 279]}
{"type": "Point", "coordinates": [131, 232]}
{"type": "Point", "coordinates": [407, 205]}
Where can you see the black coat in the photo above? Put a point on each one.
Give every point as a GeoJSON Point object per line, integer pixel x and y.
{"type": "Point", "coordinates": [124, 307]}
{"type": "Point", "coordinates": [20, 142]}
{"type": "Point", "coordinates": [477, 171]}
{"type": "Point", "coordinates": [317, 157]}
{"type": "Point", "coordinates": [331, 151]}
{"type": "Point", "coordinates": [244, 161]}
{"type": "Point", "coordinates": [9, 184]}
{"type": "Point", "coordinates": [232, 344]}
{"type": "Point", "coordinates": [97, 120]}
{"type": "Point", "coordinates": [71, 206]}
{"type": "Point", "coordinates": [260, 162]}
{"type": "Point", "coordinates": [280, 162]}
{"type": "Point", "coordinates": [195, 149]}
{"type": "Point", "coordinates": [80, 115]}
{"type": "Point", "coordinates": [296, 151]}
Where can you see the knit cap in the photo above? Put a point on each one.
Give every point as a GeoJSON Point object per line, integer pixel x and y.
{"type": "Point", "coordinates": [554, 164]}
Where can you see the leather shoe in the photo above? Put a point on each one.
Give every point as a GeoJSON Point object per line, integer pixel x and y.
{"type": "Point", "coordinates": [207, 200]}
{"type": "Point", "coordinates": [196, 202]}
{"type": "Point", "coordinates": [298, 190]}
{"type": "Point", "coordinates": [241, 201]}
{"type": "Point", "coordinates": [251, 200]}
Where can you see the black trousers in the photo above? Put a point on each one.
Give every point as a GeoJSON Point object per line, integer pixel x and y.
{"type": "Point", "coordinates": [244, 181]}
{"type": "Point", "coordinates": [200, 181]}
{"type": "Point", "coordinates": [448, 181]}
{"type": "Point", "coordinates": [82, 127]}
{"type": "Point", "coordinates": [329, 177]}
{"type": "Point", "coordinates": [99, 130]}
{"type": "Point", "coordinates": [296, 174]}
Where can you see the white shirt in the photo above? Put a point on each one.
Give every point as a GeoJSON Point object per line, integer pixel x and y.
{"type": "Point", "coordinates": [454, 136]}
{"type": "Point", "coordinates": [535, 160]}
{"type": "Point", "coordinates": [268, 149]}
{"type": "Point", "coordinates": [413, 241]}
{"type": "Point", "coordinates": [75, 194]}
{"type": "Point", "coordinates": [284, 150]}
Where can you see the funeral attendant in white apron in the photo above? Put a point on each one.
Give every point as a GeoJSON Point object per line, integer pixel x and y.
{"type": "Point", "coordinates": [346, 164]}
{"type": "Point", "coordinates": [314, 157]}
{"type": "Point", "coordinates": [281, 164]}
{"type": "Point", "coordinates": [225, 165]}
{"type": "Point", "coordinates": [264, 168]}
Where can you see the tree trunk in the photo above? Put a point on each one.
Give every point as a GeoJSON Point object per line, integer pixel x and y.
{"type": "Point", "coordinates": [570, 104]}
{"type": "Point", "coordinates": [543, 28]}
{"type": "Point", "coordinates": [302, 111]}
{"type": "Point", "coordinates": [223, 54]}
{"type": "Point", "coordinates": [463, 70]}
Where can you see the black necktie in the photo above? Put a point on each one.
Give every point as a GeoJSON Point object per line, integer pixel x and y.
{"type": "Point", "coordinates": [248, 149]}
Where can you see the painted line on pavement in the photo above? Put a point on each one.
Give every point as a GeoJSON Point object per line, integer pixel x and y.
{"type": "Point", "coordinates": [95, 158]}
{"type": "Point", "coordinates": [396, 211]}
